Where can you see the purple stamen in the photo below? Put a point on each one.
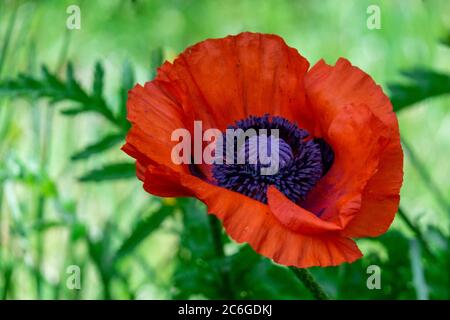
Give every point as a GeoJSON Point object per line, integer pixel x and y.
{"type": "Point", "coordinates": [302, 162]}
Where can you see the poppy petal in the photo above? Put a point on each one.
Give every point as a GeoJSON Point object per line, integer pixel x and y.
{"type": "Point", "coordinates": [381, 195]}
{"type": "Point", "coordinates": [295, 217]}
{"type": "Point", "coordinates": [248, 220]}
{"type": "Point", "coordinates": [163, 182]}
{"type": "Point", "coordinates": [225, 80]}
{"type": "Point", "coordinates": [142, 161]}
{"type": "Point", "coordinates": [154, 116]}
{"type": "Point", "coordinates": [329, 88]}
{"type": "Point", "coordinates": [357, 138]}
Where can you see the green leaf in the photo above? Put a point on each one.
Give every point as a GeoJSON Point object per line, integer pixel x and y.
{"type": "Point", "coordinates": [97, 88]}
{"type": "Point", "coordinates": [78, 231]}
{"type": "Point", "coordinates": [256, 277]}
{"type": "Point", "coordinates": [51, 87]}
{"type": "Point", "coordinates": [100, 249]}
{"type": "Point", "coordinates": [46, 225]}
{"type": "Point", "coordinates": [113, 171]}
{"type": "Point", "coordinates": [53, 83]}
{"type": "Point", "coordinates": [103, 144]}
{"type": "Point", "coordinates": [127, 84]}
{"type": "Point", "coordinates": [97, 93]}
{"type": "Point", "coordinates": [127, 76]}
{"type": "Point", "coordinates": [142, 230]}
{"type": "Point", "coordinates": [395, 284]}
{"type": "Point", "coordinates": [436, 280]}
{"type": "Point", "coordinates": [422, 84]}
{"type": "Point", "coordinates": [73, 111]}
{"type": "Point", "coordinates": [47, 86]}
{"type": "Point", "coordinates": [73, 88]}
{"type": "Point", "coordinates": [198, 269]}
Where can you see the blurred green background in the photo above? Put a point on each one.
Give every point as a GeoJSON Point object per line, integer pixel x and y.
{"type": "Point", "coordinates": [69, 197]}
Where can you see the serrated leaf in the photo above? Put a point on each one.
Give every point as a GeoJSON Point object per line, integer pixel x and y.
{"type": "Point", "coordinates": [98, 102]}
{"type": "Point", "coordinates": [103, 144]}
{"type": "Point", "coordinates": [73, 88]}
{"type": "Point", "coordinates": [48, 86]}
{"type": "Point", "coordinates": [113, 171]}
{"type": "Point", "coordinates": [423, 84]}
{"type": "Point", "coordinates": [51, 87]}
{"type": "Point", "coordinates": [142, 230]}
{"type": "Point", "coordinates": [52, 81]}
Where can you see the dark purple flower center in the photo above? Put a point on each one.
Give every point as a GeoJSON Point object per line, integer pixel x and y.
{"type": "Point", "coordinates": [287, 158]}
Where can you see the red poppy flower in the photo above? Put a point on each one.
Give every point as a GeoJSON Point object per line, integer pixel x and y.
{"type": "Point", "coordinates": [341, 163]}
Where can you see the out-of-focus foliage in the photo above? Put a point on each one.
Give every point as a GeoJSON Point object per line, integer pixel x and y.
{"type": "Point", "coordinates": [203, 270]}
{"type": "Point", "coordinates": [56, 90]}
{"type": "Point", "coordinates": [424, 84]}
{"type": "Point", "coordinates": [69, 197]}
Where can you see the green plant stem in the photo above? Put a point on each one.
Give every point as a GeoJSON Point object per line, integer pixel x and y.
{"type": "Point", "coordinates": [7, 283]}
{"type": "Point", "coordinates": [4, 267]}
{"type": "Point", "coordinates": [42, 199]}
{"type": "Point", "coordinates": [310, 283]}
{"type": "Point", "coordinates": [216, 231]}
{"type": "Point", "coordinates": [106, 280]}
{"type": "Point", "coordinates": [217, 235]}
{"type": "Point", "coordinates": [39, 246]}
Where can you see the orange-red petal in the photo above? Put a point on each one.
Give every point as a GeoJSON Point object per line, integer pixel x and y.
{"type": "Point", "coordinates": [331, 91]}
{"type": "Point", "coordinates": [295, 217]}
{"type": "Point", "coordinates": [153, 116]}
{"type": "Point", "coordinates": [248, 220]}
{"type": "Point", "coordinates": [220, 81]}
